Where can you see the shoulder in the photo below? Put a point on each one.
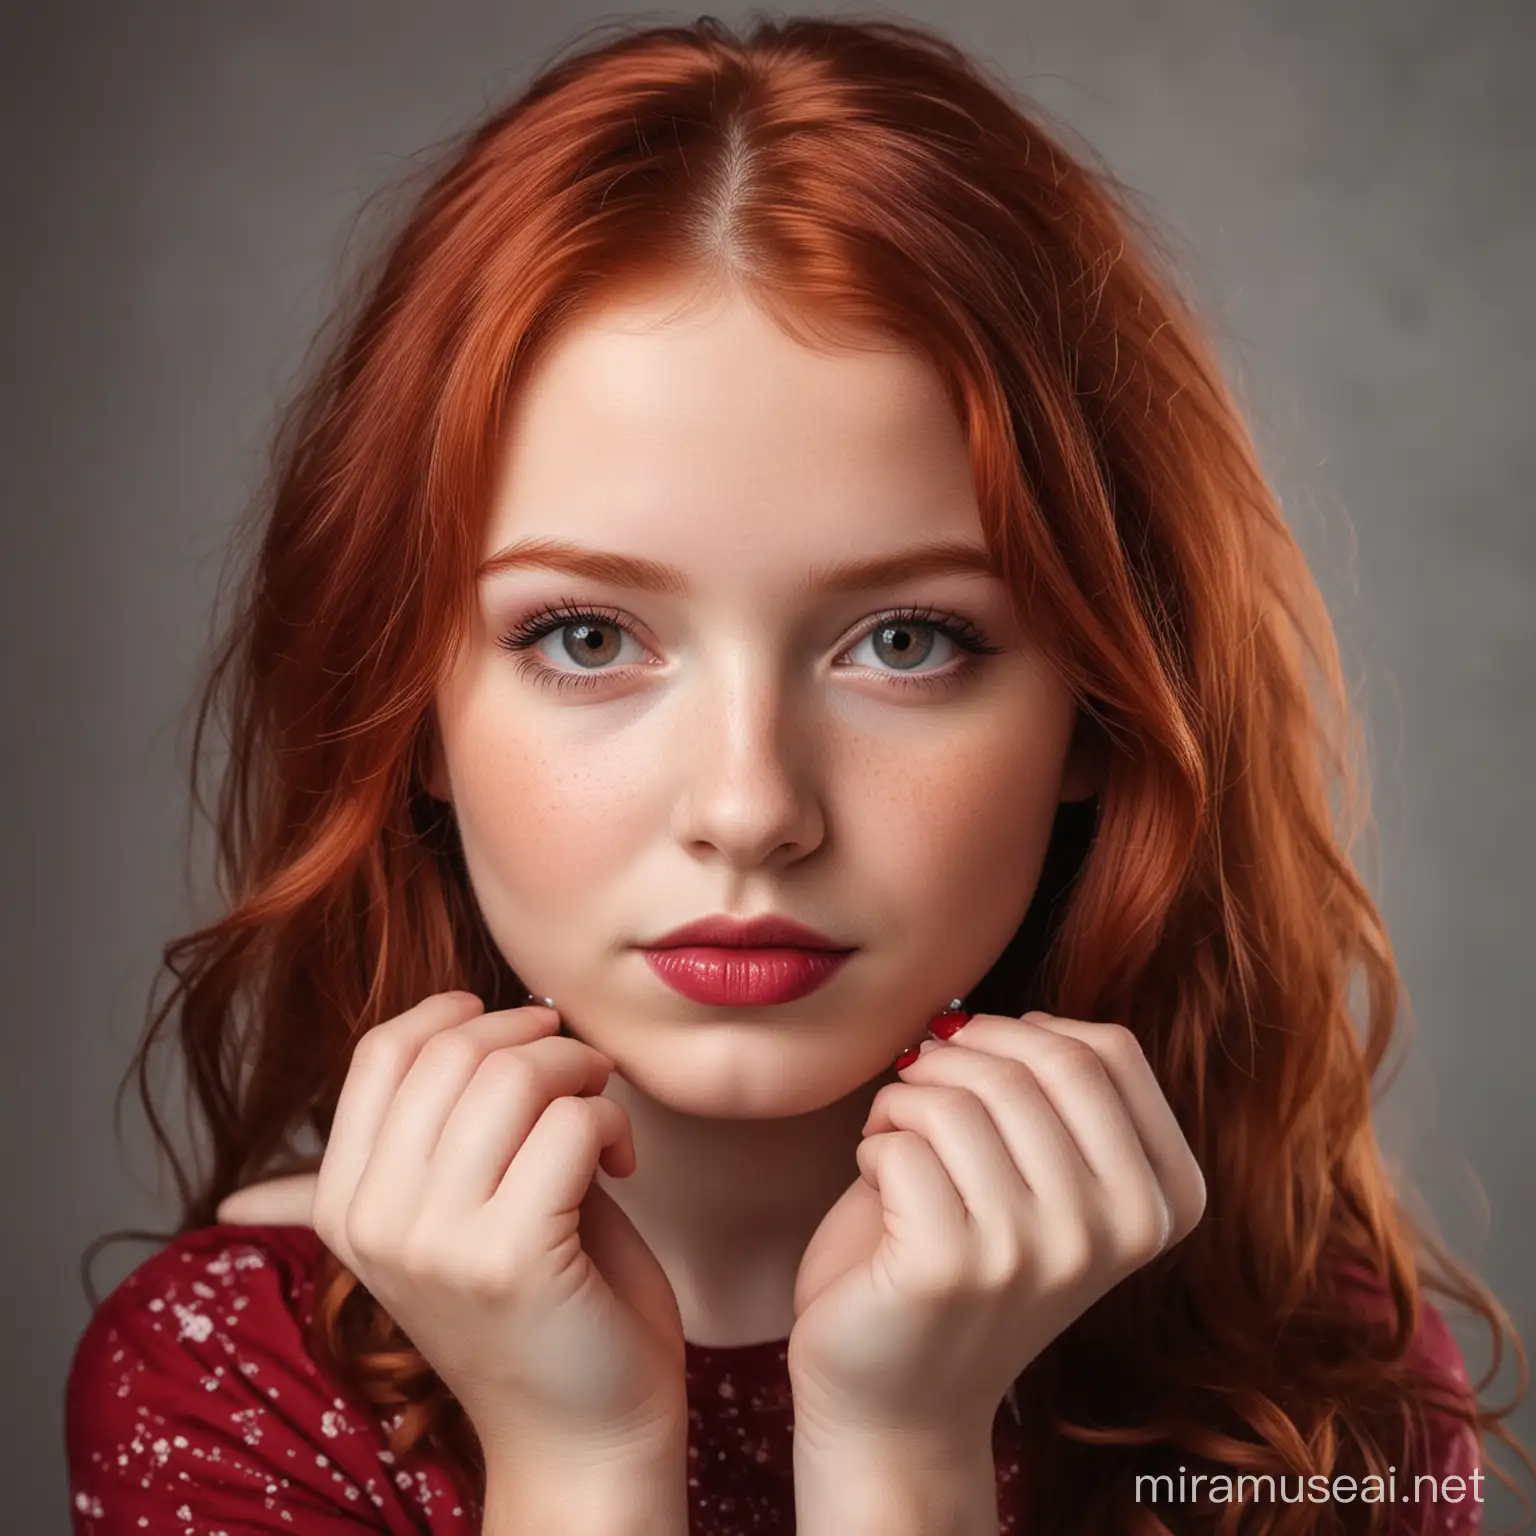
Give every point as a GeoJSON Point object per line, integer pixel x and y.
{"type": "Point", "coordinates": [1452, 1453]}
{"type": "Point", "coordinates": [1433, 1348]}
{"type": "Point", "coordinates": [1450, 1448]}
{"type": "Point", "coordinates": [1453, 1456]}
{"type": "Point", "coordinates": [192, 1395]}
{"type": "Point", "coordinates": [193, 1303]}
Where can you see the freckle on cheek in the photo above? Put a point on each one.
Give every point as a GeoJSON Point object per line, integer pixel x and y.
{"type": "Point", "coordinates": [987, 816]}
{"type": "Point", "coordinates": [544, 823]}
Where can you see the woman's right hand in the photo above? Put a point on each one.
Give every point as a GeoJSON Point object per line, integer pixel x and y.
{"type": "Point", "coordinates": [457, 1185]}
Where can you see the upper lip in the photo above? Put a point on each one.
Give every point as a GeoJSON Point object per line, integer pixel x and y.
{"type": "Point", "coordinates": [767, 932]}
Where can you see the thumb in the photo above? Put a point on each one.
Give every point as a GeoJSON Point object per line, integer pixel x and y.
{"type": "Point", "coordinates": [848, 1236]}
{"type": "Point", "coordinates": [926, 1222]}
{"type": "Point", "coordinates": [284, 1202]}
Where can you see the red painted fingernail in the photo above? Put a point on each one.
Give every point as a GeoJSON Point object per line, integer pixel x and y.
{"type": "Point", "coordinates": [906, 1058]}
{"type": "Point", "coordinates": [943, 1025]}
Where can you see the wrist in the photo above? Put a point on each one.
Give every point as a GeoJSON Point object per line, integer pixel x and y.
{"type": "Point", "coordinates": [868, 1483]}
{"type": "Point", "coordinates": [639, 1491]}
{"type": "Point", "coordinates": [647, 1502]}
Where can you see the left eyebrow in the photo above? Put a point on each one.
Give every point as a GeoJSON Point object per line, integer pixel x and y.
{"type": "Point", "coordinates": [945, 557]}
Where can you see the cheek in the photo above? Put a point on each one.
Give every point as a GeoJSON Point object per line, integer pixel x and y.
{"type": "Point", "coordinates": [543, 828]}
{"type": "Point", "coordinates": [972, 827]}
{"type": "Point", "coordinates": [955, 842]}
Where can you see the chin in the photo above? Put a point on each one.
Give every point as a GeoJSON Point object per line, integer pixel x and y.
{"type": "Point", "coordinates": [739, 1075]}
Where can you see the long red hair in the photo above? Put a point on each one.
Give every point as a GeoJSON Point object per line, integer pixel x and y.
{"type": "Point", "coordinates": [857, 176]}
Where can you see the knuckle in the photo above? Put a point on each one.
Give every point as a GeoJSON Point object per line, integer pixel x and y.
{"type": "Point", "coordinates": [1014, 1076]}
{"type": "Point", "coordinates": [452, 1052]}
{"type": "Point", "coordinates": [572, 1112]}
{"type": "Point", "coordinates": [950, 1100]}
{"type": "Point", "coordinates": [1074, 1252]}
{"type": "Point", "coordinates": [1149, 1231]}
{"type": "Point", "coordinates": [421, 1258]}
{"type": "Point", "coordinates": [1002, 1266]}
{"type": "Point", "coordinates": [1197, 1186]}
{"type": "Point", "coordinates": [1189, 1205]}
{"type": "Point", "coordinates": [508, 1067]}
{"type": "Point", "coordinates": [369, 1237]}
{"type": "Point", "coordinates": [375, 1047]}
{"type": "Point", "coordinates": [330, 1231]}
{"type": "Point", "coordinates": [1069, 1060]}
{"type": "Point", "coordinates": [901, 1145]}
{"type": "Point", "coordinates": [1119, 1041]}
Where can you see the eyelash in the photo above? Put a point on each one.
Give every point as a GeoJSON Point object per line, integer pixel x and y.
{"type": "Point", "coordinates": [526, 634]}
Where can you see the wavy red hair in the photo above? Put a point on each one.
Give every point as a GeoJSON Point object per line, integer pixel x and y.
{"type": "Point", "coordinates": [855, 177]}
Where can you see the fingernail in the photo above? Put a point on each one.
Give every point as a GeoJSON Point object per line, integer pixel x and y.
{"type": "Point", "coordinates": [908, 1056]}
{"type": "Point", "coordinates": [943, 1025]}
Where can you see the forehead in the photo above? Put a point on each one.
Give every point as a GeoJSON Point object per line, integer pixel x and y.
{"type": "Point", "coordinates": [654, 423]}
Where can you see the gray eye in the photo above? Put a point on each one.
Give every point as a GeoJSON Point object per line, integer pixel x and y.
{"type": "Point", "coordinates": [902, 644]}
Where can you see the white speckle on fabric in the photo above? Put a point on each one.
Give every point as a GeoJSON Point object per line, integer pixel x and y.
{"type": "Point", "coordinates": [193, 1405]}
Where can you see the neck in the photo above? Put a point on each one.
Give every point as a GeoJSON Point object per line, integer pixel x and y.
{"type": "Point", "coordinates": [728, 1206]}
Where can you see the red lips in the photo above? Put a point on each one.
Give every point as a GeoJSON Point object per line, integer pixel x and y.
{"type": "Point", "coordinates": [737, 962]}
{"type": "Point", "coordinates": [722, 931]}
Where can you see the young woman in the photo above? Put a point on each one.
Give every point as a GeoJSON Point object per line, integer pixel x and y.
{"type": "Point", "coordinates": [770, 571]}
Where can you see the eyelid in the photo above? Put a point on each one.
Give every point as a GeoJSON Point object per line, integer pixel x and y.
{"type": "Point", "coordinates": [965, 632]}
{"type": "Point", "coordinates": [571, 610]}
{"type": "Point", "coordinates": [555, 616]}
{"type": "Point", "coordinates": [524, 637]}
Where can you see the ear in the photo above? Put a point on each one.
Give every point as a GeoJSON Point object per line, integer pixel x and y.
{"type": "Point", "coordinates": [1087, 764]}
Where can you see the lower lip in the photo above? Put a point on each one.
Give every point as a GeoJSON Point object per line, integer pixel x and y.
{"type": "Point", "coordinates": [744, 978]}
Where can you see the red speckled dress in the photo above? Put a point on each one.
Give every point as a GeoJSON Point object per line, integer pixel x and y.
{"type": "Point", "coordinates": [193, 1408]}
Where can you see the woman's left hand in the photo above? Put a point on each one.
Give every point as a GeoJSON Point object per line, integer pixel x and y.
{"type": "Point", "coordinates": [1013, 1176]}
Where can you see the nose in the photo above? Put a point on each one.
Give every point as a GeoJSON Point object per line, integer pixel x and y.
{"type": "Point", "coordinates": [747, 793]}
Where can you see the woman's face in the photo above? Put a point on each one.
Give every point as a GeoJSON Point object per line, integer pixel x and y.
{"type": "Point", "coordinates": [710, 723]}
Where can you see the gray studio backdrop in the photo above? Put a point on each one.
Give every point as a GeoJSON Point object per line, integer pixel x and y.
{"type": "Point", "coordinates": [1353, 186]}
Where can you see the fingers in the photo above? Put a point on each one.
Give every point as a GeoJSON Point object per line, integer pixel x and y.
{"type": "Point", "coordinates": [1067, 1126]}
{"type": "Point", "coordinates": [999, 1056]}
{"type": "Point", "coordinates": [541, 1192]}
{"type": "Point", "coordinates": [380, 1063]}
{"type": "Point", "coordinates": [495, 1115]}
{"type": "Point", "coordinates": [982, 1171]}
{"type": "Point", "coordinates": [282, 1202]}
{"type": "Point", "coordinates": [1167, 1150]}
{"type": "Point", "coordinates": [443, 1069]}
{"type": "Point", "coordinates": [927, 1229]}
